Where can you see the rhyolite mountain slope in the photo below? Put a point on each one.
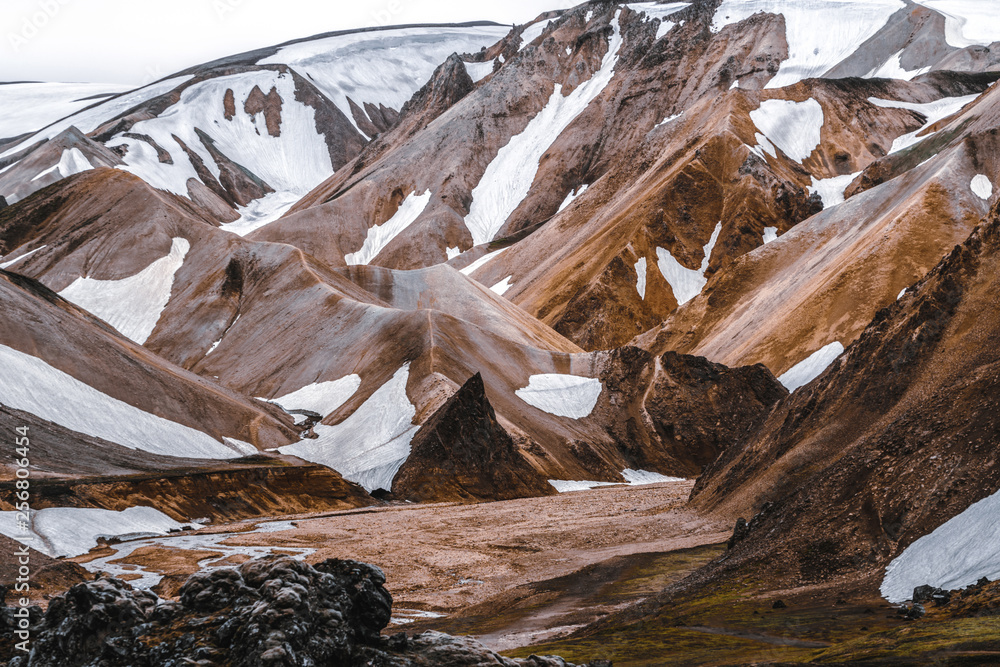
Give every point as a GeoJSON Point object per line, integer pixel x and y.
{"type": "Point", "coordinates": [626, 219]}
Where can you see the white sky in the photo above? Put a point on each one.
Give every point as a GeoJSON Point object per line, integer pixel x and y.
{"type": "Point", "coordinates": [135, 41]}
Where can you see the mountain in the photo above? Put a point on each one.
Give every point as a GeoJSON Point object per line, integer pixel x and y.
{"type": "Point", "coordinates": [751, 242]}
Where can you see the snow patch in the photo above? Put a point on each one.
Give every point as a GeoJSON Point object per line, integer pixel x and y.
{"type": "Point", "coordinates": [533, 32]}
{"type": "Point", "coordinates": [508, 178]}
{"type": "Point", "coordinates": [932, 111]}
{"type": "Point", "coordinates": [30, 384]}
{"type": "Point", "coordinates": [261, 212]}
{"type": "Point", "coordinates": [632, 478]}
{"type": "Point", "coordinates": [981, 186]}
{"type": "Point", "coordinates": [893, 69]}
{"type": "Point", "coordinates": [668, 119]}
{"type": "Point", "coordinates": [453, 252]}
{"type": "Point", "coordinates": [686, 283]}
{"type": "Point", "coordinates": [323, 398]}
{"type": "Point", "coordinates": [967, 22]}
{"type": "Point", "coordinates": [73, 531]}
{"type": "Point", "coordinates": [482, 261]}
{"type": "Point", "coordinates": [384, 67]}
{"type": "Point", "coordinates": [902, 293]}
{"type": "Point", "coordinates": [131, 305]}
{"type": "Point", "coordinates": [659, 12]}
{"type": "Point", "coordinates": [224, 333]}
{"type": "Point", "coordinates": [90, 119]}
{"type": "Point", "coordinates": [479, 71]}
{"type": "Point", "coordinates": [820, 33]}
{"type": "Point", "coordinates": [380, 236]}
{"type": "Point", "coordinates": [770, 234]}
{"type": "Point", "coordinates": [7, 265]}
{"type": "Point", "coordinates": [562, 395]}
{"type": "Point", "coordinates": [831, 190]}
{"type": "Point", "coordinates": [794, 127]}
{"type": "Point", "coordinates": [640, 272]}
{"type": "Point", "coordinates": [73, 161]}
{"type": "Point", "coordinates": [502, 286]}
{"type": "Point", "coordinates": [957, 554]}
{"type": "Point", "coordinates": [808, 370]}
{"type": "Point", "coordinates": [369, 446]}
{"type": "Point", "coordinates": [571, 197]}
{"type": "Point", "coordinates": [28, 107]}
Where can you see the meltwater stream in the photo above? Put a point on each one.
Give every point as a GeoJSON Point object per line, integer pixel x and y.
{"type": "Point", "coordinates": [191, 542]}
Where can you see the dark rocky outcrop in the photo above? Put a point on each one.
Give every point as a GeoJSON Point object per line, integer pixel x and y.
{"type": "Point", "coordinates": [463, 453]}
{"type": "Point", "coordinates": [273, 611]}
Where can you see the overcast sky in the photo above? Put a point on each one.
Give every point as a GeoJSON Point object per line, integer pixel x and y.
{"type": "Point", "coordinates": [136, 41]}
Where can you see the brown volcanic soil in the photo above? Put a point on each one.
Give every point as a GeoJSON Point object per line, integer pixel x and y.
{"type": "Point", "coordinates": [446, 557]}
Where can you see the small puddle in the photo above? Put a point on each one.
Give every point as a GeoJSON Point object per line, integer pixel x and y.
{"type": "Point", "coordinates": [143, 579]}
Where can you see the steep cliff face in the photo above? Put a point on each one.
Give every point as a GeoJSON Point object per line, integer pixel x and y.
{"type": "Point", "coordinates": [893, 440]}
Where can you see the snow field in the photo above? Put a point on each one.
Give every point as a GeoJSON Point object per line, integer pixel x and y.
{"type": "Point", "coordinates": [562, 395]}
{"type": "Point", "coordinates": [508, 178]}
{"type": "Point", "coordinates": [28, 107]}
{"type": "Point", "coordinates": [380, 236]}
{"type": "Point", "coordinates": [30, 384]}
{"type": "Point", "coordinates": [957, 554]}
{"type": "Point", "coordinates": [794, 127]}
{"type": "Point", "coordinates": [982, 186]}
{"type": "Point", "coordinates": [73, 531]}
{"type": "Point", "coordinates": [659, 12]}
{"type": "Point", "coordinates": [482, 261]}
{"type": "Point", "coordinates": [811, 368]}
{"type": "Point", "coordinates": [369, 446]}
{"type": "Point", "coordinates": [932, 111]}
{"type": "Point", "coordinates": [632, 478]}
{"type": "Point", "coordinates": [820, 33]}
{"type": "Point", "coordinates": [640, 272]}
{"type": "Point", "coordinates": [323, 398]}
{"type": "Point", "coordinates": [967, 22]}
{"type": "Point", "coordinates": [686, 283]}
{"type": "Point", "coordinates": [131, 305]}
{"type": "Point", "coordinates": [831, 190]}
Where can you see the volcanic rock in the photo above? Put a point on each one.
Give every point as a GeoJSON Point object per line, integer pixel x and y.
{"type": "Point", "coordinates": [463, 453]}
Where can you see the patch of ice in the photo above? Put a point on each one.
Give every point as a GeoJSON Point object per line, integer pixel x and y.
{"type": "Point", "coordinates": [244, 448]}
{"type": "Point", "coordinates": [380, 236]}
{"type": "Point", "coordinates": [452, 252]}
{"type": "Point", "coordinates": [668, 119]}
{"type": "Point", "coordinates": [479, 71]}
{"type": "Point", "coordinates": [794, 127]}
{"type": "Point", "coordinates": [571, 197]}
{"type": "Point", "coordinates": [967, 22]}
{"type": "Point", "coordinates": [73, 161]}
{"type": "Point", "coordinates": [686, 283]}
{"type": "Point", "coordinates": [562, 395]}
{"type": "Point", "coordinates": [736, 84]}
{"type": "Point", "coordinates": [90, 119]}
{"type": "Point", "coordinates": [764, 146]}
{"type": "Point", "coordinates": [902, 293]}
{"type": "Point", "coordinates": [30, 384]}
{"type": "Point", "coordinates": [640, 272]}
{"type": "Point", "coordinates": [770, 234]}
{"type": "Point", "coordinates": [831, 190]}
{"type": "Point", "coordinates": [590, 15]}
{"type": "Point", "coordinates": [632, 478]}
{"type": "Point", "coordinates": [131, 305]}
{"type": "Point", "coordinates": [28, 107]}
{"type": "Point", "coordinates": [643, 477]}
{"type": "Point", "coordinates": [811, 368]}
{"type": "Point", "coordinates": [262, 212]}
{"type": "Point", "coordinates": [533, 32]}
{"type": "Point", "coordinates": [479, 263]}
{"type": "Point", "coordinates": [384, 67]}
{"type": "Point", "coordinates": [820, 33]}
{"type": "Point", "coordinates": [932, 111]}
{"type": "Point", "coordinates": [219, 342]}
{"type": "Point", "coordinates": [659, 12]}
{"type": "Point", "coordinates": [502, 286]}
{"type": "Point", "coordinates": [369, 446]}
{"type": "Point", "coordinates": [10, 263]}
{"type": "Point", "coordinates": [73, 531]}
{"type": "Point", "coordinates": [982, 186]}
{"type": "Point", "coordinates": [292, 163]}
{"type": "Point", "coordinates": [323, 398]}
{"type": "Point", "coordinates": [893, 69]}
{"type": "Point", "coordinates": [508, 178]}
{"type": "Point", "coordinates": [957, 554]}
{"type": "Point", "coordinates": [214, 542]}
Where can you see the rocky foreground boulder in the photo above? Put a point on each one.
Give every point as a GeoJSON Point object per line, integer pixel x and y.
{"type": "Point", "coordinates": [274, 611]}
